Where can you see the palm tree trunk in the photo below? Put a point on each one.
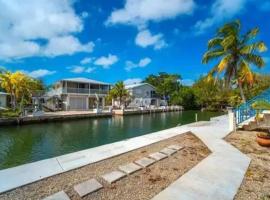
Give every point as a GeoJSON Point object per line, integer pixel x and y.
{"type": "Point", "coordinates": [242, 92]}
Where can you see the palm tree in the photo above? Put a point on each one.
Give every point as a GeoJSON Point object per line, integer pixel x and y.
{"type": "Point", "coordinates": [235, 53]}
{"type": "Point", "coordinates": [19, 86]}
{"type": "Point", "coordinates": [119, 92]}
{"type": "Point", "coordinates": [6, 84]}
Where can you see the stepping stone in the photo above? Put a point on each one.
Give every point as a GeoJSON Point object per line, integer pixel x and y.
{"type": "Point", "coordinates": [87, 187]}
{"type": "Point", "coordinates": [113, 176]}
{"type": "Point", "coordinates": [176, 147]}
{"type": "Point", "coordinates": [58, 196]}
{"type": "Point", "coordinates": [144, 162]}
{"type": "Point", "coordinates": [130, 168]}
{"type": "Point", "coordinates": [158, 156]}
{"type": "Point", "coordinates": [168, 151]}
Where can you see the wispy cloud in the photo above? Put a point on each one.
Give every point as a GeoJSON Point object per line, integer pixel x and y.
{"type": "Point", "coordinates": [131, 81]}
{"type": "Point", "coordinates": [81, 69]}
{"type": "Point", "coordinates": [145, 39]}
{"type": "Point", "coordinates": [141, 64]}
{"type": "Point", "coordinates": [106, 62]}
{"type": "Point", "coordinates": [141, 12]}
{"type": "Point", "coordinates": [220, 11]}
{"type": "Point", "coordinates": [39, 73]}
{"type": "Point", "coordinates": [86, 60]}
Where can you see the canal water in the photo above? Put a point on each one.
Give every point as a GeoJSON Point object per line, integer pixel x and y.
{"type": "Point", "coordinates": [29, 143]}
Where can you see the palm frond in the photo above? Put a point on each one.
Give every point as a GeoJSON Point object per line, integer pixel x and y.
{"type": "Point", "coordinates": [245, 73]}
{"type": "Point", "coordinates": [250, 35]}
{"type": "Point", "coordinates": [231, 28]}
{"type": "Point", "coordinates": [210, 55]}
{"type": "Point", "coordinates": [228, 41]}
{"type": "Point", "coordinates": [215, 42]}
{"type": "Point", "coordinates": [254, 59]}
{"type": "Point", "coordinates": [224, 63]}
{"type": "Point", "coordinates": [257, 46]}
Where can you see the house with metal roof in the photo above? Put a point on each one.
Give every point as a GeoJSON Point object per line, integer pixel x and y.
{"type": "Point", "coordinates": [78, 94]}
{"type": "Point", "coordinates": [144, 95]}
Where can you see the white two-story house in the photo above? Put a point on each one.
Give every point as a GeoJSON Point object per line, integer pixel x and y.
{"type": "Point", "coordinates": [144, 95]}
{"type": "Point", "coordinates": [79, 93]}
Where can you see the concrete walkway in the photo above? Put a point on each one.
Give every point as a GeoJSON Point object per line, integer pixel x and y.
{"type": "Point", "coordinates": [216, 177]}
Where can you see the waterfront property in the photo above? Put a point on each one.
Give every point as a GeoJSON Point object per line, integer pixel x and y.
{"type": "Point", "coordinates": [144, 95]}
{"type": "Point", "coordinates": [77, 94]}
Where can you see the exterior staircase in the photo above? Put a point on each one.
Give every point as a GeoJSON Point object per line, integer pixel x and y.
{"type": "Point", "coordinates": [262, 123]}
{"type": "Point", "coordinates": [245, 114]}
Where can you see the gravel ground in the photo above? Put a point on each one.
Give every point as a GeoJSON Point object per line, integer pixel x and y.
{"type": "Point", "coordinates": [256, 184]}
{"type": "Point", "coordinates": [141, 185]}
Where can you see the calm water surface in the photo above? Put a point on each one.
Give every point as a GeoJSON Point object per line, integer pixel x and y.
{"type": "Point", "coordinates": [29, 143]}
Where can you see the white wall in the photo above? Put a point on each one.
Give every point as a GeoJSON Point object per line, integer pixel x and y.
{"type": "Point", "coordinates": [143, 91]}
{"type": "Point", "coordinates": [3, 101]}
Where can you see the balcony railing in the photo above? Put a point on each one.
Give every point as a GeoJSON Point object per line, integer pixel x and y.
{"type": "Point", "coordinates": [85, 91]}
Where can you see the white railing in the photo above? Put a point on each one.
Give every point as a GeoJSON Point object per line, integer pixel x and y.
{"type": "Point", "coordinates": [85, 91]}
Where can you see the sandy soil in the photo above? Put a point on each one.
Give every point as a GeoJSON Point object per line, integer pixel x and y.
{"type": "Point", "coordinates": [141, 185]}
{"type": "Point", "coordinates": [256, 184]}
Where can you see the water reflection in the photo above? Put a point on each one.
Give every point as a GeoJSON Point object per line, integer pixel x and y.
{"type": "Point", "coordinates": [19, 145]}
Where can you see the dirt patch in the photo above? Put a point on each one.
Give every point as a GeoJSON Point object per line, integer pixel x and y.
{"type": "Point", "coordinates": [141, 185]}
{"type": "Point", "coordinates": [256, 184]}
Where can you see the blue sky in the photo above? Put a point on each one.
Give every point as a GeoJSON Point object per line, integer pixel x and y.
{"type": "Point", "coordinates": [121, 39]}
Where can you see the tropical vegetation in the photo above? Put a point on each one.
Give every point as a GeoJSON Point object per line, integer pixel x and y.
{"type": "Point", "coordinates": [235, 53]}
{"type": "Point", "coordinates": [20, 88]}
{"type": "Point", "coordinates": [118, 93]}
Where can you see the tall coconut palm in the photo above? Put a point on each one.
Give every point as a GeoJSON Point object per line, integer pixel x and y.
{"type": "Point", "coordinates": [235, 53]}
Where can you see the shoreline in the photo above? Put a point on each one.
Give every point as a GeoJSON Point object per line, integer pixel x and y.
{"type": "Point", "coordinates": [18, 176]}
{"type": "Point", "coordinates": [143, 184]}
{"type": "Point", "coordinates": [73, 115]}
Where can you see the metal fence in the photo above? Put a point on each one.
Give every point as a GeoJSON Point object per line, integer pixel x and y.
{"type": "Point", "coordinates": [245, 110]}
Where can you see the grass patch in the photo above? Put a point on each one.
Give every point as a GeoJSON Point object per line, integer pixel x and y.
{"type": "Point", "coordinates": [8, 113]}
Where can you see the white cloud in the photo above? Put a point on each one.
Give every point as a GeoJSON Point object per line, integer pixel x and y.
{"type": "Point", "coordinates": [187, 82]}
{"type": "Point", "coordinates": [39, 73]}
{"type": "Point", "coordinates": [90, 69]}
{"type": "Point", "coordinates": [81, 69]}
{"type": "Point", "coordinates": [25, 24]}
{"type": "Point", "coordinates": [18, 48]}
{"type": "Point", "coordinates": [86, 60]}
{"type": "Point", "coordinates": [145, 38]}
{"type": "Point", "coordinates": [221, 10]}
{"type": "Point", "coordinates": [142, 63]}
{"type": "Point", "coordinates": [140, 12]}
{"type": "Point", "coordinates": [132, 81]}
{"type": "Point", "coordinates": [66, 45]}
{"type": "Point", "coordinates": [106, 62]}
{"type": "Point", "coordinates": [77, 69]}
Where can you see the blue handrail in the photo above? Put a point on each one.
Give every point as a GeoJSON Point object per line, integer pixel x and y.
{"type": "Point", "coordinates": [245, 110]}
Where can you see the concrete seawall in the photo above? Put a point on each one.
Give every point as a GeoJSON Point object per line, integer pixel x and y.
{"type": "Point", "coordinates": [49, 118]}
{"type": "Point", "coordinates": [72, 115]}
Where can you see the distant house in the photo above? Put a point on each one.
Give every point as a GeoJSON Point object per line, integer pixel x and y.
{"type": "Point", "coordinates": [3, 100]}
{"type": "Point", "coordinates": [78, 94]}
{"type": "Point", "coordinates": [144, 95]}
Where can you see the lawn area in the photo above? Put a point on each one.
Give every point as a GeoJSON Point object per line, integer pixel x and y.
{"type": "Point", "coordinates": [256, 184]}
